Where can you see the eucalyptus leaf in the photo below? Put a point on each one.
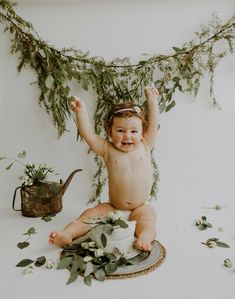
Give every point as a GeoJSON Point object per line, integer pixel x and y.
{"type": "Point", "coordinates": [103, 240]}
{"type": "Point", "coordinates": [100, 274]}
{"type": "Point", "coordinates": [21, 155]}
{"type": "Point", "coordinates": [87, 280]}
{"type": "Point", "coordinates": [121, 223]}
{"type": "Point", "coordinates": [24, 263]}
{"type": "Point", "coordinates": [65, 262]}
{"type": "Point", "coordinates": [77, 264]}
{"type": "Point", "coordinates": [40, 261]}
{"type": "Point", "coordinates": [30, 231]}
{"type": "Point", "coordinates": [23, 245]}
{"type": "Point", "coordinates": [111, 267]}
{"type": "Point", "coordinates": [222, 244]}
{"type": "Point", "coordinates": [73, 277]}
{"type": "Point", "coordinates": [46, 218]}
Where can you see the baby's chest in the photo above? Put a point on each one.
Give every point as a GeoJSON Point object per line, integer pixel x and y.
{"type": "Point", "coordinates": [129, 162]}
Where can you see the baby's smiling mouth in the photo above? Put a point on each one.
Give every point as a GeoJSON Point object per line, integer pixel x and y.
{"type": "Point", "coordinates": [126, 143]}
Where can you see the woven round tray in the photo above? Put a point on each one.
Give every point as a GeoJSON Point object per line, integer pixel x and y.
{"type": "Point", "coordinates": [151, 263]}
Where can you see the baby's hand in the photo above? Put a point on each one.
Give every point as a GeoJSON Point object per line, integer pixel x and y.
{"type": "Point", "coordinates": [151, 91]}
{"type": "Point", "coordinates": [76, 104]}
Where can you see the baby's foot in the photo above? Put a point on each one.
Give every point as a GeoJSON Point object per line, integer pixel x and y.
{"type": "Point", "coordinates": [61, 238]}
{"type": "Point", "coordinates": [143, 243]}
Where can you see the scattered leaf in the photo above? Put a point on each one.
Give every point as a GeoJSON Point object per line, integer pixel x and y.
{"type": "Point", "coordinates": [23, 245]}
{"type": "Point", "coordinates": [40, 261]}
{"type": "Point", "coordinates": [24, 263]}
{"type": "Point", "coordinates": [21, 155]}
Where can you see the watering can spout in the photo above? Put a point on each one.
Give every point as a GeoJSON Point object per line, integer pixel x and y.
{"type": "Point", "coordinates": [67, 182]}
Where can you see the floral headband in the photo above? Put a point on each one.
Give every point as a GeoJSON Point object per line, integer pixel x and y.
{"type": "Point", "coordinates": [135, 109]}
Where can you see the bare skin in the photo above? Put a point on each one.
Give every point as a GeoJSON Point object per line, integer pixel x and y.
{"type": "Point", "coordinates": [128, 162]}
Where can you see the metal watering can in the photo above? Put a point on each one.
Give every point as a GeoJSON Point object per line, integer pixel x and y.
{"type": "Point", "coordinates": [42, 198]}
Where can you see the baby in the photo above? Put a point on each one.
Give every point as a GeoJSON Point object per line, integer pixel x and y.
{"type": "Point", "coordinates": [127, 156]}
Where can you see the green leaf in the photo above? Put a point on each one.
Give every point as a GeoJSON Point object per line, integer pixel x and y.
{"type": "Point", "coordinates": [40, 261]}
{"type": "Point", "coordinates": [110, 267]}
{"type": "Point", "coordinates": [121, 223]}
{"type": "Point", "coordinates": [72, 277]}
{"type": "Point", "coordinates": [49, 81]}
{"type": "Point", "coordinates": [84, 84]}
{"type": "Point", "coordinates": [100, 274]}
{"type": "Point", "coordinates": [77, 264]}
{"type": "Point", "coordinates": [21, 155]}
{"type": "Point", "coordinates": [176, 79]}
{"type": "Point", "coordinates": [103, 240]}
{"type": "Point", "coordinates": [30, 231]}
{"type": "Point", "coordinates": [2, 158]}
{"type": "Point", "coordinates": [23, 245]}
{"type": "Point", "coordinates": [65, 262]}
{"type": "Point", "coordinates": [87, 280]}
{"type": "Point", "coordinates": [24, 263]}
{"type": "Point", "coordinates": [169, 107]}
{"type": "Point", "coordinates": [9, 166]}
{"type": "Point", "coordinates": [176, 49]}
{"type": "Point", "coordinates": [222, 244]}
{"type": "Point", "coordinates": [46, 218]}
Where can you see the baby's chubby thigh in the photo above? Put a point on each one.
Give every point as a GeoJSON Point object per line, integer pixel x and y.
{"type": "Point", "coordinates": [100, 211]}
{"type": "Point", "coordinates": [144, 215]}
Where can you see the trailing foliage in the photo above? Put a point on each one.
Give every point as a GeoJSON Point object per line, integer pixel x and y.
{"type": "Point", "coordinates": [116, 80]}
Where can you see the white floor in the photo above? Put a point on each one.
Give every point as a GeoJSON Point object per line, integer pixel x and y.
{"type": "Point", "coordinates": [191, 270]}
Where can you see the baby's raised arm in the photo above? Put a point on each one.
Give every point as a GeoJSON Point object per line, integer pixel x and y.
{"type": "Point", "coordinates": [152, 95]}
{"type": "Point", "coordinates": [96, 143]}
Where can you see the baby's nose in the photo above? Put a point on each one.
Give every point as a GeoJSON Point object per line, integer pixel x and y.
{"type": "Point", "coordinates": [127, 135]}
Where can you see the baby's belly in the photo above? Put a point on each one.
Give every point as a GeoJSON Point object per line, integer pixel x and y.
{"type": "Point", "coordinates": [129, 199]}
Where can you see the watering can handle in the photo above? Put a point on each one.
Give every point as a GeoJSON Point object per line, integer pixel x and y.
{"type": "Point", "coordinates": [67, 182]}
{"type": "Point", "coordinates": [14, 199]}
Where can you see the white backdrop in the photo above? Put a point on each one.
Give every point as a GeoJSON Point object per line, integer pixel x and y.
{"type": "Point", "coordinates": [195, 147]}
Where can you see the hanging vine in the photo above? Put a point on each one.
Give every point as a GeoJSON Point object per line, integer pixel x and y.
{"type": "Point", "coordinates": [118, 79]}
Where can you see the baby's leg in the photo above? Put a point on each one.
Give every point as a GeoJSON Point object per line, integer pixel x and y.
{"type": "Point", "coordinates": [145, 217]}
{"type": "Point", "coordinates": [80, 226]}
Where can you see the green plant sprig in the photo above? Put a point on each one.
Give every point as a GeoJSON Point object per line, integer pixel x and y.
{"type": "Point", "coordinates": [86, 260]}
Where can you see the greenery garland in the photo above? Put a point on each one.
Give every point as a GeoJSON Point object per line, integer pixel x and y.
{"type": "Point", "coordinates": [117, 79]}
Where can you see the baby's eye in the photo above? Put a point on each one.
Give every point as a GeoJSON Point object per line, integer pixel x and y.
{"type": "Point", "coordinates": [134, 131]}
{"type": "Point", "coordinates": [120, 130]}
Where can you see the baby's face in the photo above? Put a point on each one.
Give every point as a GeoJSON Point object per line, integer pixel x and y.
{"type": "Point", "coordinates": [126, 133]}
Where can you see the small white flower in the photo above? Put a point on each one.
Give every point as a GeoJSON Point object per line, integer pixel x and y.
{"type": "Point", "coordinates": [228, 263]}
{"type": "Point", "coordinates": [92, 244]}
{"type": "Point", "coordinates": [28, 270]}
{"type": "Point", "coordinates": [211, 244]}
{"type": "Point", "coordinates": [198, 222]}
{"type": "Point", "coordinates": [87, 259]}
{"type": "Point", "coordinates": [99, 252]}
{"type": "Point", "coordinates": [85, 245]}
{"type": "Point", "coordinates": [49, 264]}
